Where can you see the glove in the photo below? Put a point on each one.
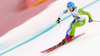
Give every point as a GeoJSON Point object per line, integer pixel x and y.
{"type": "Point", "coordinates": [90, 20]}
{"type": "Point", "coordinates": [58, 20]}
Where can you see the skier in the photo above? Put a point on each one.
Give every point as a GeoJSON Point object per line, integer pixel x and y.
{"type": "Point", "coordinates": [79, 20]}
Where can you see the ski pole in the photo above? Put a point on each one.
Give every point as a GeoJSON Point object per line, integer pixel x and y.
{"type": "Point", "coordinates": [60, 25]}
{"type": "Point", "coordinates": [96, 21]}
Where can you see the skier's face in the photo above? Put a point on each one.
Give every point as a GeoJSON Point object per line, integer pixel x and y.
{"type": "Point", "coordinates": [70, 8]}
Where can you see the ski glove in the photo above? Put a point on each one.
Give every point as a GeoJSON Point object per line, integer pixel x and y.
{"type": "Point", "coordinates": [58, 20]}
{"type": "Point", "coordinates": [90, 20]}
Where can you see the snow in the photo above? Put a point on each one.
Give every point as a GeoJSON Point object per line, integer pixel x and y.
{"type": "Point", "coordinates": [86, 45]}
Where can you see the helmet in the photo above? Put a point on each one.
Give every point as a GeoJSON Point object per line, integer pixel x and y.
{"type": "Point", "coordinates": [71, 4]}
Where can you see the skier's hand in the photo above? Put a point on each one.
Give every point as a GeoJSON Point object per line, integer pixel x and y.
{"type": "Point", "coordinates": [90, 20]}
{"type": "Point", "coordinates": [58, 20]}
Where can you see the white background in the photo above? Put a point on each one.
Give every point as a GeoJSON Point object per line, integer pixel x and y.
{"type": "Point", "coordinates": [86, 45]}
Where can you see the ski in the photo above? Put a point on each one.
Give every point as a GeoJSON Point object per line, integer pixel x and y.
{"type": "Point", "coordinates": [58, 45]}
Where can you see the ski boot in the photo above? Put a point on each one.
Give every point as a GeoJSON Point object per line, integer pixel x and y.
{"type": "Point", "coordinates": [67, 39]}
